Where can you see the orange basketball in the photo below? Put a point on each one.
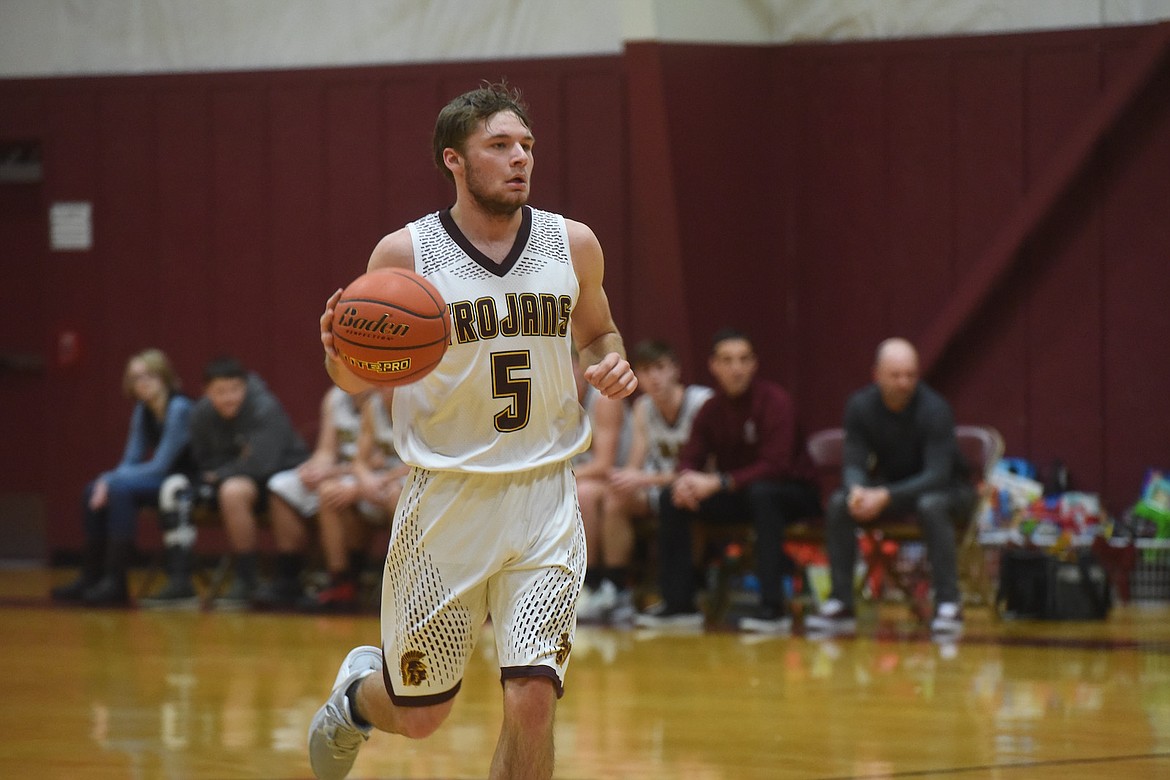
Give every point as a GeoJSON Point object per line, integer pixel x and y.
{"type": "Point", "coordinates": [391, 327]}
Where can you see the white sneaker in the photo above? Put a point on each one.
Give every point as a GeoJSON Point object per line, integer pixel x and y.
{"type": "Point", "coordinates": [766, 621]}
{"type": "Point", "coordinates": [334, 738]}
{"type": "Point", "coordinates": [948, 618]}
{"type": "Point", "coordinates": [833, 616]}
{"type": "Point", "coordinates": [585, 603]}
{"type": "Point", "coordinates": [623, 611]}
{"type": "Point", "coordinates": [600, 605]}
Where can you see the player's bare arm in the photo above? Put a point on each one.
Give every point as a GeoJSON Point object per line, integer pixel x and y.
{"type": "Point", "coordinates": [594, 331]}
{"type": "Point", "coordinates": [607, 418]}
{"type": "Point", "coordinates": [394, 250]}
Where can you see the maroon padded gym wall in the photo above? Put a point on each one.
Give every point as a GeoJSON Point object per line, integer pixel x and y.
{"type": "Point", "coordinates": [1001, 199]}
{"type": "Point", "coordinates": [227, 207]}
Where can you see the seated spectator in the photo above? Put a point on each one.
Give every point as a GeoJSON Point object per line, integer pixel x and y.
{"type": "Point", "coordinates": [747, 432]}
{"type": "Point", "coordinates": [900, 457]}
{"type": "Point", "coordinates": [323, 485]}
{"type": "Point", "coordinates": [155, 446]}
{"type": "Point", "coordinates": [240, 436]}
{"type": "Point", "coordinates": [367, 500]}
{"type": "Point", "coordinates": [662, 418]}
{"type": "Point", "coordinates": [608, 450]}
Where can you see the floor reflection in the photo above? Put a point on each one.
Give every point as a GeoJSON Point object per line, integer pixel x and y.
{"type": "Point", "coordinates": [142, 694]}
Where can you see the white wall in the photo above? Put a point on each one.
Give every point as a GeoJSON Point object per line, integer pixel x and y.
{"type": "Point", "coordinates": [59, 37]}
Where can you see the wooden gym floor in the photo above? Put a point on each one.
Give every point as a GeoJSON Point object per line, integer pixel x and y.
{"type": "Point", "coordinates": [139, 694]}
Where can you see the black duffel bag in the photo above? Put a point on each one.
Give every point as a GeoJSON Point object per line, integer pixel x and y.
{"type": "Point", "coordinates": [1035, 584]}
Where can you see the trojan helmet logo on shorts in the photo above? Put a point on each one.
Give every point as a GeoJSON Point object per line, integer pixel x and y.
{"type": "Point", "coordinates": [413, 670]}
{"type": "Point", "coordinates": [563, 649]}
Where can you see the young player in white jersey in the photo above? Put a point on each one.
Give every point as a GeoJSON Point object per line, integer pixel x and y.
{"type": "Point", "coordinates": [324, 486]}
{"type": "Point", "coordinates": [488, 520]}
{"type": "Point", "coordinates": [662, 420]}
{"type": "Point", "coordinates": [612, 431]}
{"type": "Point", "coordinates": [366, 501]}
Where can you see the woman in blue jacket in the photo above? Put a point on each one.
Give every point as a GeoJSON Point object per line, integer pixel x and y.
{"type": "Point", "coordinates": [156, 444]}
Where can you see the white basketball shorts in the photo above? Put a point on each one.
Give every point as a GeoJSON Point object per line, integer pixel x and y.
{"type": "Point", "coordinates": [307, 503]}
{"type": "Point", "coordinates": [464, 547]}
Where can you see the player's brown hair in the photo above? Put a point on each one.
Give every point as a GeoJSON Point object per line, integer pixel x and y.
{"type": "Point", "coordinates": [459, 118]}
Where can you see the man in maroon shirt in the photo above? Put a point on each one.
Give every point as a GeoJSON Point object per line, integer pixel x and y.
{"type": "Point", "coordinates": [747, 432]}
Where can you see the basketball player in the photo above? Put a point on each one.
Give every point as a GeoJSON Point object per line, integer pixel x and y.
{"type": "Point", "coordinates": [488, 520]}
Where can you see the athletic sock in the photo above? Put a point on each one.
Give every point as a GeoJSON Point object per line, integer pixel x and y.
{"type": "Point", "coordinates": [357, 564]}
{"type": "Point", "coordinates": [288, 566]}
{"type": "Point", "coordinates": [351, 694]}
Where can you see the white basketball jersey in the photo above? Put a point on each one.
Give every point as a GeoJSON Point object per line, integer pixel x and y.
{"type": "Point", "coordinates": [347, 423]}
{"type": "Point", "coordinates": [663, 440]}
{"type": "Point", "coordinates": [503, 398]}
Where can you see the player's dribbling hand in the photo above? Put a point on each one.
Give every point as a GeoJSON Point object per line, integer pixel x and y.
{"type": "Point", "coordinates": [613, 377]}
{"type": "Point", "coordinates": [327, 324]}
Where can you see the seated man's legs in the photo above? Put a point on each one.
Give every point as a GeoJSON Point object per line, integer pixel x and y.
{"type": "Point", "coordinates": [610, 538]}
{"type": "Point", "coordinates": [937, 513]}
{"type": "Point", "coordinates": [772, 506]}
{"type": "Point", "coordinates": [619, 510]}
{"type": "Point", "coordinates": [841, 544]}
{"type": "Point", "coordinates": [676, 568]}
{"type": "Point", "coordinates": [290, 505]}
{"type": "Point", "coordinates": [239, 498]}
{"type": "Point", "coordinates": [676, 571]}
{"type": "Point", "coordinates": [339, 535]}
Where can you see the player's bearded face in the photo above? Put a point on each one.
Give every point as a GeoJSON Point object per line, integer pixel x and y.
{"type": "Point", "coordinates": [497, 164]}
{"type": "Point", "coordinates": [485, 187]}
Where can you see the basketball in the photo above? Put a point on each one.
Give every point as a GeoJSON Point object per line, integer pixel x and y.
{"type": "Point", "coordinates": [391, 327]}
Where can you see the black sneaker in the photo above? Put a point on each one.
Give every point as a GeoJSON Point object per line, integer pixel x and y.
{"type": "Point", "coordinates": [73, 591]}
{"type": "Point", "coordinates": [281, 594]}
{"type": "Point", "coordinates": [240, 595]}
{"type": "Point", "coordinates": [108, 592]}
{"type": "Point", "coordinates": [661, 617]}
{"type": "Point", "coordinates": [176, 594]}
{"type": "Point", "coordinates": [833, 617]}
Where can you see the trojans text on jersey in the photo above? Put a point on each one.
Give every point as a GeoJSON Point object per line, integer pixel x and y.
{"type": "Point", "coordinates": [528, 314]}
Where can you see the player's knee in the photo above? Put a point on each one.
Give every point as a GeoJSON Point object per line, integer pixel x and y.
{"type": "Point", "coordinates": [530, 702]}
{"type": "Point", "coordinates": [421, 722]}
{"type": "Point", "coordinates": [237, 491]}
{"type": "Point", "coordinates": [934, 507]}
{"type": "Point", "coordinates": [589, 491]}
